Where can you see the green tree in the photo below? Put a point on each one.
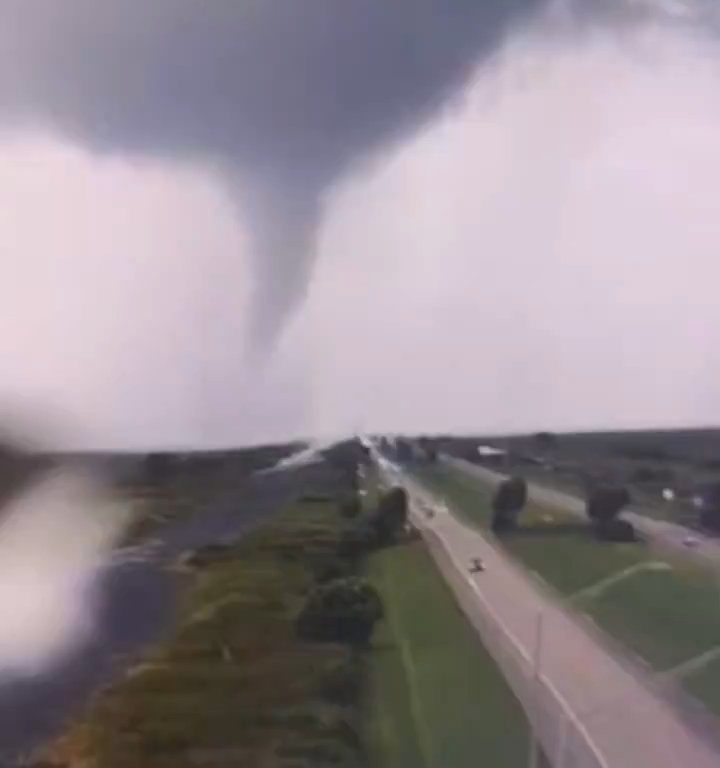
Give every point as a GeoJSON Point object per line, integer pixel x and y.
{"type": "Point", "coordinates": [510, 497]}
{"type": "Point", "coordinates": [390, 517]}
{"type": "Point", "coordinates": [604, 503]}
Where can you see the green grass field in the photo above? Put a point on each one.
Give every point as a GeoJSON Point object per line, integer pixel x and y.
{"type": "Point", "coordinates": [437, 697]}
{"type": "Point", "coordinates": [666, 617]}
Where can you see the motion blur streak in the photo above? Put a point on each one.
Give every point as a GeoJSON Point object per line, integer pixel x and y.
{"type": "Point", "coordinates": [53, 539]}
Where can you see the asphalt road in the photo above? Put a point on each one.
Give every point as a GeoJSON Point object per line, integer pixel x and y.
{"type": "Point", "coordinates": [660, 532]}
{"type": "Point", "coordinates": [621, 723]}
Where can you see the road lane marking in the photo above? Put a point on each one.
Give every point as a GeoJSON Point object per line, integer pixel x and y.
{"type": "Point", "coordinates": [567, 710]}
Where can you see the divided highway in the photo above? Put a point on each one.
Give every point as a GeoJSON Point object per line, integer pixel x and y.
{"type": "Point", "coordinates": [660, 532]}
{"type": "Point", "coordinates": [587, 709]}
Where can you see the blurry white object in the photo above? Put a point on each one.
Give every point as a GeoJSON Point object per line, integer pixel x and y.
{"type": "Point", "coordinates": [54, 538]}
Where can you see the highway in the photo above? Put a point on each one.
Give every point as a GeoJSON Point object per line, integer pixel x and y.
{"type": "Point", "coordinates": [588, 709]}
{"type": "Point", "coordinates": [660, 532]}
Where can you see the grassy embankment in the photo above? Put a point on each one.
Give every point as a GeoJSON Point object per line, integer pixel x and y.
{"type": "Point", "coordinates": [666, 617]}
{"type": "Point", "coordinates": [231, 685]}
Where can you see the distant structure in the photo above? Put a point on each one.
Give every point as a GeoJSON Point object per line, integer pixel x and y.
{"type": "Point", "coordinates": [487, 451]}
{"type": "Point", "coordinates": [488, 454]}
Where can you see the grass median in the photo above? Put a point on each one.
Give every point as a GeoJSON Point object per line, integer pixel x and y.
{"type": "Point", "coordinates": [437, 698]}
{"type": "Point", "coordinates": [667, 617]}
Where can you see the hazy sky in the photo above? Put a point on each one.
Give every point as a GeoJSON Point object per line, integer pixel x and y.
{"type": "Point", "coordinates": [535, 249]}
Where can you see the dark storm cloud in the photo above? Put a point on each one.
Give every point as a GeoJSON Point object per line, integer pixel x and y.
{"type": "Point", "coordinates": [285, 94]}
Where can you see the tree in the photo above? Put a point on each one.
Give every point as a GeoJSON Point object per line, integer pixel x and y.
{"type": "Point", "coordinates": [604, 503]}
{"type": "Point", "coordinates": [341, 611]}
{"type": "Point", "coordinates": [390, 516]}
{"type": "Point", "coordinates": [510, 498]}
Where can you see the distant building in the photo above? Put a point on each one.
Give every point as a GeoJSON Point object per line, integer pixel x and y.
{"type": "Point", "coordinates": [487, 451]}
{"type": "Point", "coordinates": [487, 454]}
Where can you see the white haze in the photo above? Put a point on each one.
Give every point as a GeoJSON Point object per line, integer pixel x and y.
{"type": "Point", "coordinates": [547, 257]}
{"type": "Point", "coordinates": [53, 540]}
{"type": "Point", "coordinates": [543, 255]}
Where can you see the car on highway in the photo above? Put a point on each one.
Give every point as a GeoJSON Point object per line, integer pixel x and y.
{"type": "Point", "coordinates": [691, 541]}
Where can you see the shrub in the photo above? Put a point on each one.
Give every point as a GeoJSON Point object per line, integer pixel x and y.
{"type": "Point", "coordinates": [605, 502]}
{"type": "Point", "coordinates": [341, 611]}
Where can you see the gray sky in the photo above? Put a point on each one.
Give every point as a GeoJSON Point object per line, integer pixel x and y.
{"type": "Point", "coordinates": [528, 238]}
{"type": "Point", "coordinates": [278, 98]}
